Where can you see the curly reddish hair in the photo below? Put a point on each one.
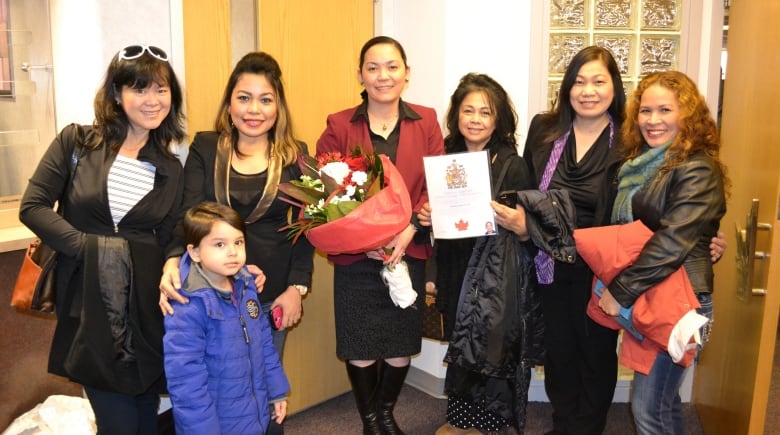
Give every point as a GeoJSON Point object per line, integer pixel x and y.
{"type": "Point", "coordinates": [698, 130]}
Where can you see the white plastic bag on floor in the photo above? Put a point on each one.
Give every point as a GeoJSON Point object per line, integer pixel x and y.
{"type": "Point", "coordinates": [57, 415]}
{"type": "Point", "coordinates": [400, 284]}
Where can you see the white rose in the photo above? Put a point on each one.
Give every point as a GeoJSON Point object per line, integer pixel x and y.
{"type": "Point", "coordinates": [359, 178]}
{"type": "Point", "coordinates": [336, 170]}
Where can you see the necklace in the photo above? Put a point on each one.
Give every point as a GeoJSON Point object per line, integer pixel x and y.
{"type": "Point", "coordinates": [386, 125]}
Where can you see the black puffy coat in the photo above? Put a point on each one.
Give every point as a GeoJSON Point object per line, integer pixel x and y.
{"type": "Point", "coordinates": [498, 335]}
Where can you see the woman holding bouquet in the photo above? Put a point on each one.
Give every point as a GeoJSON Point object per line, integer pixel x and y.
{"type": "Point", "coordinates": [241, 164]}
{"type": "Point", "coordinates": [375, 337]}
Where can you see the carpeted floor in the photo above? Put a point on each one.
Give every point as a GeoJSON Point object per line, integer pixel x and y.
{"type": "Point", "coordinates": [24, 352]}
{"type": "Point", "coordinates": [418, 413]}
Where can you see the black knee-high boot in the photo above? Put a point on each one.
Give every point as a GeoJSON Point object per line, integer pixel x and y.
{"type": "Point", "coordinates": [365, 383]}
{"type": "Point", "coordinates": [392, 379]}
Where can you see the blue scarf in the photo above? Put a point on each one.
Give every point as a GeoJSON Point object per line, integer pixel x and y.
{"type": "Point", "coordinates": [634, 175]}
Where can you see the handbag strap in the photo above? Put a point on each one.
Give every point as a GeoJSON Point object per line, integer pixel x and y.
{"type": "Point", "coordinates": [75, 157]}
{"type": "Point", "coordinates": [501, 175]}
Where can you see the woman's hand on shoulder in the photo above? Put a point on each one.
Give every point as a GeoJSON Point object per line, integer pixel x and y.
{"type": "Point", "coordinates": [170, 283]}
{"type": "Point", "coordinates": [259, 276]}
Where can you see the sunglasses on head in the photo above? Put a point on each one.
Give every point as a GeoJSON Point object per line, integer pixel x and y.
{"type": "Point", "coordinates": [135, 51]}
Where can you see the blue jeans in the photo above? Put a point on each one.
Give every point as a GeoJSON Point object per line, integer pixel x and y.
{"type": "Point", "coordinates": [655, 399]}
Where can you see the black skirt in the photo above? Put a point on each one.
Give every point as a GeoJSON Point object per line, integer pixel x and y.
{"type": "Point", "coordinates": [368, 324]}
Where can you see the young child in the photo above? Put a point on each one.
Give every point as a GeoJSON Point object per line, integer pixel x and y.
{"type": "Point", "coordinates": [221, 365]}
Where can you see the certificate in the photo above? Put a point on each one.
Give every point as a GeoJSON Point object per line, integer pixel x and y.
{"type": "Point", "coordinates": [459, 192]}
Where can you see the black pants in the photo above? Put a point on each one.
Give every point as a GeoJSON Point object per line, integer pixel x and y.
{"type": "Point", "coordinates": [580, 370]}
{"type": "Point", "coordinates": [121, 414]}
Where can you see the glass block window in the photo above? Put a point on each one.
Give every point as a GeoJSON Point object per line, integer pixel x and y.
{"type": "Point", "coordinates": [643, 35]}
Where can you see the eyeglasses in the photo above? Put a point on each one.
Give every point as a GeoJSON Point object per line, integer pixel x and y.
{"type": "Point", "coordinates": [135, 51]}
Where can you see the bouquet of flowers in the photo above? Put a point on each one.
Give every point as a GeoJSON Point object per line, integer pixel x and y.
{"type": "Point", "coordinates": [352, 204]}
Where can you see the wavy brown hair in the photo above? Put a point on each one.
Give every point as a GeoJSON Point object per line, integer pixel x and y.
{"type": "Point", "coordinates": [698, 130]}
{"type": "Point", "coordinates": [281, 138]}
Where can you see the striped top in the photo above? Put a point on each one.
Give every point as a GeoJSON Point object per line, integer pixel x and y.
{"type": "Point", "coordinates": [129, 180]}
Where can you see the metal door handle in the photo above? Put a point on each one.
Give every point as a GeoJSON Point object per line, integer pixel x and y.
{"type": "Point", "coordinates": [746, 251]}
{"type": "Point", "coordinates": [25, 66]}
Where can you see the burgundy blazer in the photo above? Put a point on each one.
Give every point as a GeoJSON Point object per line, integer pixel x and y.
{"type": "Point", "coordinates": [418, 138]}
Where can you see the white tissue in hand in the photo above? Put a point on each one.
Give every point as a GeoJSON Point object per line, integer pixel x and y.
{"type": "Point", "coordinates": [400, 284]}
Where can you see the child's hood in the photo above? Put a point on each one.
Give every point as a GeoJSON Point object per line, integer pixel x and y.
{"type": "Point", "coordinates": [193, 280]}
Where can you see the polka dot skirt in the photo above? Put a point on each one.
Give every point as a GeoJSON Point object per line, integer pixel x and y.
{"type": "Point", "coordinates": [464, 414]}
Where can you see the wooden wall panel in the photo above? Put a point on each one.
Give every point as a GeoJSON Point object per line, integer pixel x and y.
{"type": "Point", "coordinates": [317, 45]}
{"type": "Point", "coordinates": [207, 59]}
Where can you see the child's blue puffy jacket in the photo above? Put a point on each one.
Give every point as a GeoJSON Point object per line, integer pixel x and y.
{"type": "Point", "coordinates": [221, 365]}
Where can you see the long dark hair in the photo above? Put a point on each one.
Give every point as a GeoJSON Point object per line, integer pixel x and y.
{"type": "Point", "coordinates": [281, 138]}
{"type": "Point", "coordinates": [111, 123]}
{"type": "Point", "coordinates": [500, 105]}
{"type": "Point", "coordinates": [560, 118]}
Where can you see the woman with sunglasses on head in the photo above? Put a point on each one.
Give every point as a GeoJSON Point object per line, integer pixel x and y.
{"type": "Point", "coordinates": [120, 188]}
{"type": "Point", "coordinates": [241, 164]}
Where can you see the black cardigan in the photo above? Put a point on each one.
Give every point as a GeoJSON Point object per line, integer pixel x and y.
{"type": "Point", "coordinates": [147, 227]}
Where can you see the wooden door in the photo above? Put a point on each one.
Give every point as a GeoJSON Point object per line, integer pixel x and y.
{"type": "Point", "coordinates": [206, 59]}
{"type": "Point", "coordinates": [317, 45]}
{"type": "Point", "coordinates": [733, 377]}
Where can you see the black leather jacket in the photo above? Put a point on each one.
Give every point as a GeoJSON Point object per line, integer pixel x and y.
{"type": "Point", "coordinates": [683, 206]}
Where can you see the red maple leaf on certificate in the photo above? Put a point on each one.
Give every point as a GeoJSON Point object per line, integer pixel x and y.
{"type": "Point", "coordinates": [461, 225]}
